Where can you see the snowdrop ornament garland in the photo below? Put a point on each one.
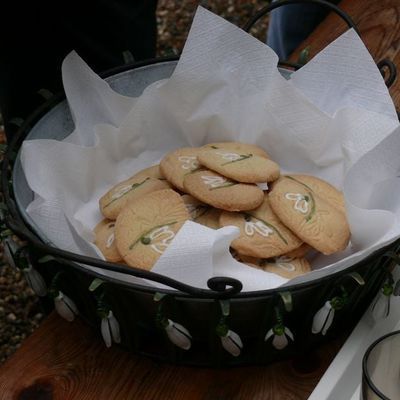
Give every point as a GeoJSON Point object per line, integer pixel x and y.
{"type": "Point", "coordinates": [18, 257]}
{"type": "Point", "coordinates": [33, 277]}
{"type": "Point", "coordinates": [109, 325]}
{"type": "Point", "coordinates": [176, 333]}
{"type": "Point", "coordinates": [323, 319]}
{"type": "Point", "coordinates": [230, 340]}
{"type": "Point", "coordinates": [279, 333]}
{"type": "Point", "coordinates": [64, 306]}
{"type": "Point", "coordinates": [380, 307]}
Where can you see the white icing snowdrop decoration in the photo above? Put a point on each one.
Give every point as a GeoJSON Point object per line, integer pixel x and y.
{"type": "Point", "coordinates": [252, 227]}
{"type": "Point", "coordinates": [300, 202]}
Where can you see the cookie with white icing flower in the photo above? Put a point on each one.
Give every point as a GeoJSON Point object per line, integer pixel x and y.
{"type": "Point", "coordinates": [300, 252]}
{"type": "Point", "coordinates": [307, 213]}
{"type": "Point", "coordinates": [145, 181]}
{"type": "Point", "coordinates": [105, 240]}
{"type": "Point", "coordinates": [240, 166]}
{"type": "Point", "coordinates": [238, 147]}
{"type": "Point", "coordinates": [146, 226]}
{"type": "Point", "coordinates": [286, 267]}
{"type": "Point", "coordinates": [179, 163]}
{"type": "Point", "coordinates": [321, 188]}
{"type": "Point", "coordinates": [220, 192]}
{"type": "Point", "coordinates": [262, 234]}
{"type": "Point", "coordinates": [202, 213]}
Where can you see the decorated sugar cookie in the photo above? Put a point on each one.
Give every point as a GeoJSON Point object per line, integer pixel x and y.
{"type": "Point", "coordinates": [179, 163]}
{"type": "Point", "coordinates": [146, 227]}
{"type": "Point", "coordinates": [220, 192]}
{"type": "Point", "coordinates": [243, 167]}
{"type": "Point", "coordinates": [300, 252]}
{"type": "Point", "coordinates": [202, 213]}
{"type": "Point", "coordinates": [322, 188]}
{"type": "Point", "coordinates": [152, 172]}
{"type": "Point", "coordinates": [286, 267]}
{"type": "Point", "coordinates": [143, 182]}
{"type": "Point", "coordinates": [105, 240]}
{"type": "Point", "coordinates": [262, 234]}
{"type": "Point", "coordinates": [238, 147]}
{"type": "Point", "coordinates": [310, 216]}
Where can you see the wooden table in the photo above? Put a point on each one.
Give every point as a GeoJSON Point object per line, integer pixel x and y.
{"type": "Point", "coordinates": [67, 361]}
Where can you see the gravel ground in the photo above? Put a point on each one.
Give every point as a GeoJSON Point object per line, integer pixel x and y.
{"type": "Point", "coordinates": [20, 311]}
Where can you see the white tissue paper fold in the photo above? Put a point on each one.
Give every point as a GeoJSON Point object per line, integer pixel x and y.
{"type": "Point", "coordinates": [334, 119]}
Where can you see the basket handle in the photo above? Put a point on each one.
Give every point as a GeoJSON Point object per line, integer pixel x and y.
{"type": "Point", "coordinates": [342, 14]}
{"type": "Point", "coordinates": [219, 287]}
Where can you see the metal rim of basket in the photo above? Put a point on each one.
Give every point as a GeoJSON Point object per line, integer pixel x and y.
{"type": "Point", "coordinates": [365, 373]}
{"type": "Point", "coordinates": [219, 287]}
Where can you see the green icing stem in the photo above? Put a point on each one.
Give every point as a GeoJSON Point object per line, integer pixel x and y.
{"type": "Point", "coordinates": [134, 186]}
{"type": "Point", "coordinates": [204, 210]}
{"type": "Point", "coordinates": [270, 226]}
{"type": "Point", "coordinates": [301, 183]}
{"type": "Point", "coordinates": [312, 212]}
{"type": "Point", "coordinates": [242, 157]}
{"type": "Point", "coordinates": [224, 185]}
{"type": "Point", "coordinates": [149, 231]}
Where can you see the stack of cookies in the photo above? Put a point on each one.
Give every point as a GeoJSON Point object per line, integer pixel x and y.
{"type": "Point", "coordinates": [280, 217]}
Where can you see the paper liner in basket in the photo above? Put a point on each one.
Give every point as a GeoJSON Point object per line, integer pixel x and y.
{"type": "Point", "coordinates": [333, 119]}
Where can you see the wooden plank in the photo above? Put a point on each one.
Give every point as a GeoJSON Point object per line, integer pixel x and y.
{"type": "Point", "coordinates": [62, 360]}
{"type": "Point", "coordinates": [379, 26]}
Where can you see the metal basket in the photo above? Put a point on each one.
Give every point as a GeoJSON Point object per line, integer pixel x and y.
{"type": "Point", "coordinates": [146, 315]}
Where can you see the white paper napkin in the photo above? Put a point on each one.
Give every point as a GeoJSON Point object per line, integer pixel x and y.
{"type": "Point", "coordinates": [333, 119]}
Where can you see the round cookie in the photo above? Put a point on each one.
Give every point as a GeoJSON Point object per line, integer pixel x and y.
{"type": "Point", "coordinates": [284, 266]}
{"type": "Point", "coordinates": [147, 225]}
{"type": "Point", "coordinates": [216, 190]}
{"type": "Point", "coordinates": [322, 188]}
{"type": "Point", "coordinates": [179, 163]}
{"type": "Point", "coordinates": [118, 196]}
{"type": "Point", "coordinates": [262, 234]}
{"type": "Point", "coordinates": [238, 147]}
{"type": "Point", "coordinates": [310, 216]}
{"type": "Point", "coordinates": [300, 252]}
{"type": "Point", "coordinates": [152, 172]}
{"type": "Point", "coordinates": [105, 240]}
{"type": "Point", "coordinates": [202, 213]}
{"type": "Point", "coordinates": [242, 167]}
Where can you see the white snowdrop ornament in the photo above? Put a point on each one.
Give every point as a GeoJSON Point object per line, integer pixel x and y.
{"type": "Point", "coordinates": [323, 318]}
{"type": "Point", "coordinates": [110, 329]}
{"type": "Point", "coordinates": [232, 343]}
{"type": "Point", "coordinates": [380, 307]}
{"type": "Point", "coordinates": [10, 247]}
{"type": "Point", "coordinates": [281, 335]}
{"type": "Point", "coordinates": [176, 333]}
{"type": "Point", "coordinates": [65, 307]}
{"type": "Point", "coordinates": [230, 340]}
{"type": "Point", "coordinates": [35, 280]}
